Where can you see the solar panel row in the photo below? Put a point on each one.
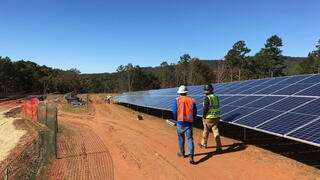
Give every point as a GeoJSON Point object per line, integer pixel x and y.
{"type": "Point", "coordinates": [285, 106]}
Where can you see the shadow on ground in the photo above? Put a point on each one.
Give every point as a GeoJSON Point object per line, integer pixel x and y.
{"type": "Point", "coordinates": [230, 148]}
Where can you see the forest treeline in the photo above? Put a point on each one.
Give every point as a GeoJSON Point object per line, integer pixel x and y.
{"type": "Point", "coordinates": [28, 77]}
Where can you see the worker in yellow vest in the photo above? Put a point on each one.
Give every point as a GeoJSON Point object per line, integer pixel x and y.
{"type": "Point", "coordinates": [109, 97]}
{"type": "Point", "coordinates": [210, 118]}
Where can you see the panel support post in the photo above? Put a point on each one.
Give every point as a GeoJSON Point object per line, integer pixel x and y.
{"type": "Point", "coordinates": [245, 134]}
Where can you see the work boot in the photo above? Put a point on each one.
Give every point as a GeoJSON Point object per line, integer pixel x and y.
{"type": "Point", "coordinates": [202, 146]}
{"type": "Point", "coordinates": [191, 161]}
{"type": "Point", "coordinates": [180, 155]}
{"type": "Point", "coordinates": [218, 150]}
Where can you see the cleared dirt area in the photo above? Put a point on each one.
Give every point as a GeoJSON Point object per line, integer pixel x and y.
{"type": "Point", "coordinates": [109, 143]}
{"type": "Point", "coordinates": [9, 135]}
{"type": "Point", "coordinates": [15, 134]}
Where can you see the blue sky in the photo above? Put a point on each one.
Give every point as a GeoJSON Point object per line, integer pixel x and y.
{"type": "Point", "coordinates": [98, 36]}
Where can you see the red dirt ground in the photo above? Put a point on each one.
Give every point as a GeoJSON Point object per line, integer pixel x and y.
{"type": "Point", "coordinates": [109, 143]}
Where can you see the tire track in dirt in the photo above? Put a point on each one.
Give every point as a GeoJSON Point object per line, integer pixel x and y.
{"type": "Point", "coordinates": [81, 154]}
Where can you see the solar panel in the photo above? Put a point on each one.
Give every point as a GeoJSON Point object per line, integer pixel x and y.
{"type": "Point", "coordinates": [313, 108]}
{"type": "Point", "coordinates": [236, 113]}
{"type": "Point", "coordinates": [230, 100]}
{"type": "Point", "coordinates": [291, 89]}
{"type": "Point", "coordinates": [288, 103]}
{"type": "Point", "coordinates": [312, 91]}
{"type": "Point", "coordinates": [310, 132]}
{"type": "Point", "coordinates": [245, 100]}
{"type": "Point", "coordinates": [252, 90]}
{"type": "Point", "coordinates": [264, 101]}
{"type": "Point", "coordinates": [257, 117]}
{"type": "Point", "coordinates": [271, 89]}
{"type": "Point", "coordinates": [286, 123]}
{"type": "Point", "coordinates": [286, 106]}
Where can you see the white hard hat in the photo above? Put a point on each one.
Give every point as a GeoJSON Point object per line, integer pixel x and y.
{"type": "Point", "coordinates": [182, 89]}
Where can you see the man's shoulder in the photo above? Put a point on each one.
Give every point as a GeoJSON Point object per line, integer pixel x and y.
{"type": "Point", "coordinates": [213, 95]}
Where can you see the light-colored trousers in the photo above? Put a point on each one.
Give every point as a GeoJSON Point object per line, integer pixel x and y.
{"type": "Point", "coordinates": [213, 125]}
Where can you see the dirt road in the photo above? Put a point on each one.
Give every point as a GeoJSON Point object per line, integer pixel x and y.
{"type": "Point", "coordinates": [109, 143]}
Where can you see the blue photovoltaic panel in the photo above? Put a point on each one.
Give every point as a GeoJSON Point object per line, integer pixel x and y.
{"type": "Point", "coordinates": [252, 90]}
{"type": "Point", "coordinates": [226, 109]}
{"type": "Point", "coordinates": [288, 103]}
{"type": "Point", "coordinates": [224, 90]}
{"type": "Point", "coordinates": [312, 79]}
{"type": "Point", "coordinates": [275, 81]}
{"type": "Point", "coordinates": [271, 89]}
{"type": "Point", "coordinates": [310, 132]}
{"type": "Point", "coordinates": [258, 117]}
{"type": "Point", "coordinates": [260, 82]}
{"type": "Point", "coordinates": [294, 79]}
{"type": "Point", "coordinates": [286, 123]}
{"type": "Point", "coordinates": [237, 90]}
{"type": "Point", "coordinates": [245, 100]}
{"type": "Point", "coordinates": [292, 89]}
{"type": "Point", "coordinates": [222, 98]}
{"type": "Point", "coordinates": [236, 114]}
{"type": "Point", "coordinates": [264, 101]}
{"type": "Point", "coordinates": [232, 89]}
{"type": "Point", "coordinates": [282, 106]}
{"type": "Point", "coordinates": [230, 100]}
{"type": "Point", "coordinates": [312, 108]}
{"type": "Point", "coordinates": [246, 83]}
{"type": "Point", "coordinates": [312, 91]}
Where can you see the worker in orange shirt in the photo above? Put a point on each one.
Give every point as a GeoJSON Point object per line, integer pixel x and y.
{"type": "Point", "coordinates": [184, 112]}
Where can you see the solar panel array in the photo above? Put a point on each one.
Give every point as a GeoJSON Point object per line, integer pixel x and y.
{"type": "Point", "coordinates": [285, 106]}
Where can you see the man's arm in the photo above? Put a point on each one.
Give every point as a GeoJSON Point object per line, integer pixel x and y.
{"type": "Point", "coordinates": [205, 106]}
{"type": "Point", "coordinates": [174, 110]}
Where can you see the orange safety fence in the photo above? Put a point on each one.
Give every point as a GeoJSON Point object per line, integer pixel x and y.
{"type": "Point", "coordinates": [30, 108]}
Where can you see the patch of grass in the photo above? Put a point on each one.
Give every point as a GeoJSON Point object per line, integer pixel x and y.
{"type": "Point", "coordinates": [33, 125]}
{"type": "Point", "coordinates": [65, 129]}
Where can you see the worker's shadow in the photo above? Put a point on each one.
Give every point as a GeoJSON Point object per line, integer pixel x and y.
{"type": "Point", "coordinates": [231, 148]}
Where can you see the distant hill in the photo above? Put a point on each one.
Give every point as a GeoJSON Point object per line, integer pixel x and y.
{"type": "Point", "coordinates": [212, 64]}
{"type": "Point", "coordinates": [291, 61]}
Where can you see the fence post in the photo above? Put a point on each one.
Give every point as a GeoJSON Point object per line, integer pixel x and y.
{"type": "Point", "coordinates": [87, 101]}
{"type": "Point", "coordinates": [31, 110]}
{"type": "Point", "coordinates": [55, 132]}
{"type": "Point", "coordinates": [6, 174]}
{"type": "Point", "coordinates": [162, 114]}
{"type": "Point", "coordinates": [46, 114]}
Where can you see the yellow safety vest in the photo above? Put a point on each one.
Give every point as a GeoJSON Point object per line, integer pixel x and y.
{"type": "Point", "coordinates": [213, 110]}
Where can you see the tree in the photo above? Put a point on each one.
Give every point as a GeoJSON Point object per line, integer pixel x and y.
{"type": "Point", "coordinates": [199, 73]}
{"type": "Point", "coordinates": [126, 76]}
{"type": "Point", "coordinates": [315, 55]}
{"type": "Point", "coordinates": [270, 58]}
{"type": "Point", "coordinates": [6, 74]}
{"type": "Point", "coordinates": [309, 65]}
{"type": "Point", "coordinates": [166, 76]}
{"type": "Point", "coordinates": [182, 69]}
{"type": "Point", "coordinates": [236, 57]}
